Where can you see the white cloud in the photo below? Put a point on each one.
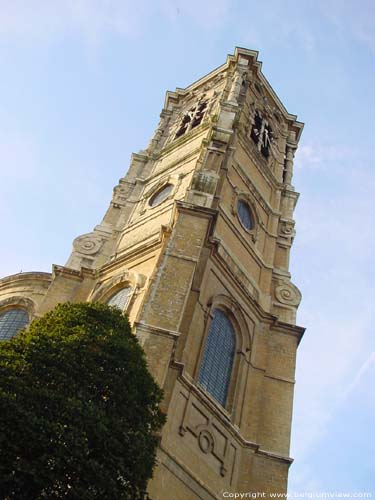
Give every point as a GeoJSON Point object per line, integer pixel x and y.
{"type": "Point", "coordinates": [370, 361]}
{"type": "Point", "coordinates": [318, 156]}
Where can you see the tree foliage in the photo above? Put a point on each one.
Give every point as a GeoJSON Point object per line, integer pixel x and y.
{"type": "Point", "coordinates": [78, 409]}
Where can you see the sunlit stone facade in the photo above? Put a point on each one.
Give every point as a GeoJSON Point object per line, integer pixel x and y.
{"type": "Point", "coordinates": [195, 247]}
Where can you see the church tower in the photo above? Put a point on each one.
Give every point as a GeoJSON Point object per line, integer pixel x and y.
{"type": "Point", "coordinates": [195, 247]}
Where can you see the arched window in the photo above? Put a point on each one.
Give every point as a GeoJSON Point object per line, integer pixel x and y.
{"type": "Point", "coordinates": [11, 321]}
{"type": "Point", "coordinates": [121, 298]}
{"type": "Point", "coordinates": [216, 366]}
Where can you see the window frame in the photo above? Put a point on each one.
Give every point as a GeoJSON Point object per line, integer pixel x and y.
{"type": "Point", "coordinates": [242, 353]}
{"type": "Point", "coordinates": [114, 291]}
{"type": "Point", "coordinates": [246, 198]}
{"type": "Point", "coordinates": [14, 307]}
{"type": "Point", "coordinates": [204, 350]}
{"type": "Point", "coordinates": [159, 191]}
{"type": "Point", "coordinates": [251, 213]}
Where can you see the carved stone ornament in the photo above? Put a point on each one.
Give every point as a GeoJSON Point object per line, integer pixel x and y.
{"type": "Point", "coordinates": [88, 244]}
{"type": "Point", "coordinates": [288, 294]}
{"type": "Point", "coordinates": [286, 229]}
{"type": "Point", "coordinates": [206, 441]}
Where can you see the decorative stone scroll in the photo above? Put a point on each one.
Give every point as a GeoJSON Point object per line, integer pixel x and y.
{"type": "Point", "coordinates": [288, 294]}
{"type": "Point", "coordinates": [88, 244]}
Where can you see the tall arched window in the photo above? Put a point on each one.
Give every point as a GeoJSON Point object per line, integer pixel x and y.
{"type": "Point", "coordinates": [121, 298]}
{"type": "Point", "coordinates": [217, 361]}
{"type": "Point", "coordinates": [11, 321]}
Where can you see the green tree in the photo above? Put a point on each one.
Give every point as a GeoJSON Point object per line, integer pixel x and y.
{"type": "Point", "coordinates": [79, 411]}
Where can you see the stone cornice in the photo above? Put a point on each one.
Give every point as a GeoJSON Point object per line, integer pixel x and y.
{"type": "Point", "coordinates": [74, 274]}
{"type": "Point", "coordinates": [288, 329]}
{"type": "Point", "coordinates": [205, 212]}
{"type": "Point", "coordinates": [27, 276]}
{"type": "Point", "coordinates": [156, 330]}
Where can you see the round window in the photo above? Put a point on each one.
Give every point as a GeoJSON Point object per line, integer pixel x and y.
{"type": "Point", "coordinates": [244, 214]}
{"type": "Point", "coordinates": [160, 195]}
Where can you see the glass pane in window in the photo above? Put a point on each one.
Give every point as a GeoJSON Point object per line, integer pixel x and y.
{"type": "Point", "coordinates": [244, 214]}
{"type": "Point", "coordinates": [121, 298]}
{"type": "Point", "coordinates": [161, 195]}
{"type": "Point", "coordinates": [11, 322]}
{"type": "Point", "coordinates": [217, 361]}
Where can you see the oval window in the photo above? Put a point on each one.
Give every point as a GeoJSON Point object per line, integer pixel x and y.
{"type": "Point", "coordinates": [244, 214]}
{"type": "Point", "coordinates": [161, 195]}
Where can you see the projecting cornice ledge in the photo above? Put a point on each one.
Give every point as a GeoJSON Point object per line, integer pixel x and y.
{"type": "Point", "coordinates": [25, 277]}
{"type": "Point", "coordinates": [74, 274]}
{"type": "Point", "coordinates": [288, 329]}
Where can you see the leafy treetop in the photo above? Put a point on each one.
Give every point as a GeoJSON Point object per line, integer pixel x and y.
{"type": "Point", "coordinates": [79, 411]}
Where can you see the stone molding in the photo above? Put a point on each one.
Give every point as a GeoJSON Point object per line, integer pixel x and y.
{"type": "Point", "coordinates": [88, 244]}
{"type": "Point", "coordinates": [104, 289]}
{"type": "Point", "coordinates": [288, 294]}
{"type": "Point", "coordinates": [18, 301]}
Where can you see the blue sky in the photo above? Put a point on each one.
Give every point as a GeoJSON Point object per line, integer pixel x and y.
{"type": "Point", "coordinates": [82, 85]}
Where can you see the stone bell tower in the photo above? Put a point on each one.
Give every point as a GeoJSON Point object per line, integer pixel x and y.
{"type": "Point", "coordinates": [195, 247]}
